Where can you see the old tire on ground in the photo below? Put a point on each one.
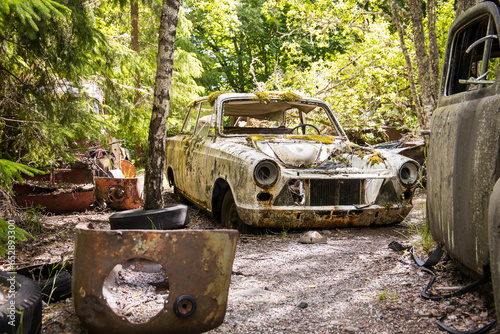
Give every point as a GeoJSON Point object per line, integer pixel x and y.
{"type": "Point", "coordinates": [54, 282]}
{"type": "Point", "coordinates": [27, 303]}
{"type": "Point", "coordinates": [230, 217]}
{"type": "Point", "coordinates": [171, 217]}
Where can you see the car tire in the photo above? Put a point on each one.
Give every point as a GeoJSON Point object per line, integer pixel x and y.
{"type": "Point", "coordinates": [229, 215]}
{"type": "Point", "coordinates": [27, 302]}
{"type": "Point", "coordinates": [171, 217]}
{"type": "Point", "coordinates": [54, 283]}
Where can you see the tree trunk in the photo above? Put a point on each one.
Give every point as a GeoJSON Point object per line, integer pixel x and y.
{"type": "Point", "coordinates": [409, 67]}
{"type": "Point", "coordinates": [153, 183]}
{"type": "Point", "coordinates": [433, 48]}
{"type": "Point", "coordinates": [134, 45]}
{"type": "Point", "coordinates": [423, 67]}
{"type": "Point", "coordinates": [134, 42]}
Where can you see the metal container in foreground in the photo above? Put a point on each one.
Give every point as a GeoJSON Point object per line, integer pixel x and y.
{"type": "Point", "coordinates": [197, 263]}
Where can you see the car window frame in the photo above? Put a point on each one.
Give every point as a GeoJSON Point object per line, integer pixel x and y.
{"type": "Point", "coordinates": [318, 103]}
{"type": "Point", "coordinates": [449, 87]}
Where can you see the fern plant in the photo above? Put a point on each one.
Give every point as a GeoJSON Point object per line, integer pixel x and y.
{"type": "Point", "coordinates": [9, 172]}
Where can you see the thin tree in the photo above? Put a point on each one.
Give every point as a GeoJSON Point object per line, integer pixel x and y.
{"type": "Point", "coordinates": [153, 184]}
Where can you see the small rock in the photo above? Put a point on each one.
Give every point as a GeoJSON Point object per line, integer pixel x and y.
{"type": "Point", "coordinates": [302, 305]}
{"type": "Point", "coordinates": [351, 329]}
{"type": "Point", "coordinates": [312, 237]}
{"type": "Point", "coordinates": [436, 313]}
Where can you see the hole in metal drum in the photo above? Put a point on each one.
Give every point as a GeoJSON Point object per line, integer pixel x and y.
{"type": "Point", "coordinates": [136, 290]}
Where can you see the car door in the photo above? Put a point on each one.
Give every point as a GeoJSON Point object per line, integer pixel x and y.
{"type": "Point", "coordinates": [197, 147]}
{"type": "Point", "coordinates": [464, 145]}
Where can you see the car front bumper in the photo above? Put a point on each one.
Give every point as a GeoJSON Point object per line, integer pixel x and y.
{"type": "Point", "coordinates": [324, 217]}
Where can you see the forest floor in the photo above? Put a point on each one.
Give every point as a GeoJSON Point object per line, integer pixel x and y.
{"type": "Point", "coordinates": [353, 283]}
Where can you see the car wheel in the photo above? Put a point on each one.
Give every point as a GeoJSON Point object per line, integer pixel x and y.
{"type": "Point", "coordinates": [229, 215]}
{"type": "Point", "coordinates": [171, 217]}
{"type": "Point", "coordinates": [24, 309]}
{"type": "Point", "coordinates": [54, 283]}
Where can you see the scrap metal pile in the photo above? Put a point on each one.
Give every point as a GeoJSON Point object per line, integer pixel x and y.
{"type": "Point", "coordinates": [99, 179]}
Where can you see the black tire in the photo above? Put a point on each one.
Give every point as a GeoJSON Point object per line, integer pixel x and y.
{"type": "Point", "coordinates": [229, 215]}
{"type": "Point", "coordinates": [21, 313]}
{"type": "Point", "coordinates": [54, 282]}
{"type": "Point", "coordinates": [57, 287]}
{"type": "Point", "coordinates": [171, 217]}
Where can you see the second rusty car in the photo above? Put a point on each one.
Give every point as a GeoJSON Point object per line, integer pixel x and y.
{"type": "Point", "coordinates": [280, 160]}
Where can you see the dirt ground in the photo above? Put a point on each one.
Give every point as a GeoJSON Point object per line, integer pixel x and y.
{"type": "Point", "coordinates": [352, 284]}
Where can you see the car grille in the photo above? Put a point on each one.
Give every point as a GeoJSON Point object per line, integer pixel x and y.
{"type": "Point", "coordinates": [316, 192]}
{"type": "Point", "coordinates": [336, 192]}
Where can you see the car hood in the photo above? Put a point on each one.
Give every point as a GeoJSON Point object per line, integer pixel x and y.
{"type": "Point", "coordinates": [300, 153]}
{"type": "Point", "coordinates": [296, 154]}
{"type": "Point", "coordinates": [324, 153]}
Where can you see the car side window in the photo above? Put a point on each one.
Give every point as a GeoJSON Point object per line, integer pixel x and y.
{"type": "Point", "coordinates": [475, 57]}
{"type": "Point", "coordinates": [206, 120]}
{"type": "Point", "coordinates": [190, 120]}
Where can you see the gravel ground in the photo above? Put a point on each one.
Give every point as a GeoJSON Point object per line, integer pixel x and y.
{"type": "Point", "coordinates": [353, 283]}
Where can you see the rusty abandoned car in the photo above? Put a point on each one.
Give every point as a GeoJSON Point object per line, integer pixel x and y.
{"type": "Point", "coordinates": [281, 160]}
{"type": "Point", "coordinates": [463, 198]}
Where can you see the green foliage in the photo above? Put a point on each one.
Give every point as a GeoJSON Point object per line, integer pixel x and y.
{"type": "Point", "coordinates": [258, 37]}
{"type": "Point", "coordinates": [45, 50]}
{"type": "Point", "coordinates": [53, 54]}
{"type": "Point", "coordinates": [68, 77]}
{"type": "Point", "coordinates": [18, 233]}
{"type": "Point", "coordinates": [9, 172]}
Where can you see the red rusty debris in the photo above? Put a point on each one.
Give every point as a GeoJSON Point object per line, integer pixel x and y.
{"type": "Point", "coordinates": [60, 203]}
{"type": "Point", "coordinates": [77, 188]}
{"type": "Point", "coordinates": [62, 190]}
{"type": "Point", "coordinates": [119, 193]}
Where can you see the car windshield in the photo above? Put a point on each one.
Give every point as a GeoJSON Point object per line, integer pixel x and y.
{"type": "Point", "coordinates": [276, 117]}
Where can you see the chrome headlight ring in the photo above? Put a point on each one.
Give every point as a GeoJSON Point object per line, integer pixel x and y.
{"type": "Point", "coordinates": [266, 173]}
{"type": "Point", "coordinates": [409, 173]}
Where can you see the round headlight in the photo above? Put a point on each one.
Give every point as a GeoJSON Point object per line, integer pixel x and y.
{"type": "Point", "coordinates": [409, 173]}
{"type": "Point", "coordinates": [266, 173]}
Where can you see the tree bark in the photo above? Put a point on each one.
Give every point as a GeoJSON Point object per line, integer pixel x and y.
{"type": "Point", "coordinates": [422, 57]}
{"type": "Point", "coordinates": [409, 66]}
{"type": "Point", "coordinates": [153, 183]}
{"type": "Point", "coordinates": [134, 42]}
{"type": "Point", "coordinates": [134, 45]}
{"type": "Point", "coordinates": [433, 48]}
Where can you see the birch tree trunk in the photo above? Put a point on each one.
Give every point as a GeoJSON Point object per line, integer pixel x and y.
{"type": "Point", "coordinates": [153, 183]}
